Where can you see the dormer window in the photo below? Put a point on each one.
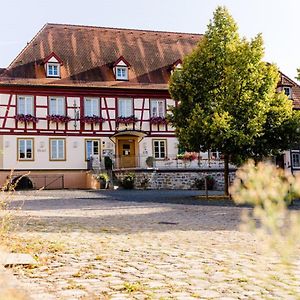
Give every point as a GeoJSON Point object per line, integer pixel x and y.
{"type": "Point", "coordinates": [121, 69]}
{"type": "Point", "coordinates": [287, 91]}
{"type": "Point", "coordinates": [121, 73]}
{"type": "Point", "coordinates": [53, 70]}
{"type": "Point", "coordinates": [177, 65]}
{"type": "Point", "coordinates": [53, 65]}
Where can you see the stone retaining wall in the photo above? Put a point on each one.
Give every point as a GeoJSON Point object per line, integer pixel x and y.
{"type": "Point", "coordinates": [174, 179]}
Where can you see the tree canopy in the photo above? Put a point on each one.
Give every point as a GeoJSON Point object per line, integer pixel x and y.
{"type": "Point", "coordinates": [227, 97]}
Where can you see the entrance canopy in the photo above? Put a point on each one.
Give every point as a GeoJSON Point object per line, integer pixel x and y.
{"type": "Point", "coordinates": [138, 133]}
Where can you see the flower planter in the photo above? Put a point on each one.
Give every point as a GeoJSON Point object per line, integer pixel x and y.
{"type": "Point", "coordinates": [58, 119]}
{"type": "Point", "coordinates": [92, 120]}
{"type": "Point", "coordinates": [26, 118]}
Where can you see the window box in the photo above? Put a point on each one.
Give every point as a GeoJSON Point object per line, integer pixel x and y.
{"type": "Point", "coordinates": [93, 119]}
{"type": "Point", "coordinates": [126, 120]}
{"type": "Point", "coordinates": [58, 118]}
{"type": "Point", "coordinates": [26, 118]}
{"type": "Point", "coordinates": [158, 120]}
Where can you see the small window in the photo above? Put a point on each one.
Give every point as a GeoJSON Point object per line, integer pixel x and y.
{"type": "Point", "coordinates": [157, 108]}
{"type": "Point", "coordinates": [57, 149]}
{"type": "Point", "coordinates": [92, 148]}
{"type": "Point", "coordinates": [296, 159]}
{"type": "Point", "coordinates": [25, 149]}
{"type": "Point", "coordinates": [25, 105]}
{"type": "Point", "coordinates": [121, 73]}
{"type": "Point", "coordinates": [57, 106]}
{"type": "Point", "coordinates": [91, 107]}
{"type": "Point", "coordinates": [125, 108]}
{"type": "Point", "coordinates": [159, 149]}
{"type": "Point", "coordinates": [288, 91]}
{"type": "Point", "coordinates": [53, 70]}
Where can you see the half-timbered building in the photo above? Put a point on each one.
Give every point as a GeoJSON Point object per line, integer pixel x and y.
{"type": "Point", "coordinates": [79, 92]}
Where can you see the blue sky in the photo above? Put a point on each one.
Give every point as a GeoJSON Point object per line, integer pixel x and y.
{"type": "Point", "coordinates": [276, 20]}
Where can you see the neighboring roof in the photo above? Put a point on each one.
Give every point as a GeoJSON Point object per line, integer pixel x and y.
{"type": "Point", "coordinates": [286, 81]}
{"type": "Point", "coordinates": [88, 54]}
{"type": "Point", "coordinates": [2, 70]}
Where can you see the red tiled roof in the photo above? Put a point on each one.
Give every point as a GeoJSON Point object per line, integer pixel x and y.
{"type": "Point", "coordinates": [88, 54]}
{"type": "Point", "coordinates": [286, 81]}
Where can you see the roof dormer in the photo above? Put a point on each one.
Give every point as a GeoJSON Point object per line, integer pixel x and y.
{"type": "Point", "coordinates": [53, 65]}
{"type": "Point", "coordinates": [177, 65]}
{"type": "Point", "coordinates": [121, 69]}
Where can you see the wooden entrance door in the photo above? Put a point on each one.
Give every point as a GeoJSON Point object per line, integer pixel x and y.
{"type": "Point", "coordinates": [126, 153]}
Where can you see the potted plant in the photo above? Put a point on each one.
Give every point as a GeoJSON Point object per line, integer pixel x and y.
{"type": "Point", "coordinates": [128, 181]}
{"type": "Point", "coordinates": [103, 180]}
{"type": "Point", "coordinates": [150, 161]}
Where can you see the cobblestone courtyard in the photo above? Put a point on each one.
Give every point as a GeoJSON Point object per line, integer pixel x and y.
{"type": "Point", "coordinates": [102, 246]}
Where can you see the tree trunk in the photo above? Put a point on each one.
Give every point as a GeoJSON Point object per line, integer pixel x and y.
{"type": "Point", "coordinates": [226, 174]}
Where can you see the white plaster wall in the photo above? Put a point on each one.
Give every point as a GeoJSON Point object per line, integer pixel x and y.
{"type": "Point", "coordinates": [75, 154]}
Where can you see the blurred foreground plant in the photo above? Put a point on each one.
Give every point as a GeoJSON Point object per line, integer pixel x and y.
{"type": "Point", "coordinates": [271, 191]}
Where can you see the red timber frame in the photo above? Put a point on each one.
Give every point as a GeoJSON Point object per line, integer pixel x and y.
{"type": "Point", "coordinates": [81, 93]}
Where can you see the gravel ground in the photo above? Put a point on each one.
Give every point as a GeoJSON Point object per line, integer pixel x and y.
{"type": "Point", "coordinates": [143, 245]}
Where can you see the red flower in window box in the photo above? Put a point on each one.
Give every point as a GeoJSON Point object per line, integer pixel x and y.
{"type": "Point", "coordinates": [26, 118]}
{"type": "Point", "coordinates": [93, 119]}
{"type": "Point", "coordinates": [126, 120]}
{"type": "Point", "coordinates": [188, 156]}
{"type": "Point", "coordinates": [158, 120]}
{"type": "Point", "coordinates": [58, 118]}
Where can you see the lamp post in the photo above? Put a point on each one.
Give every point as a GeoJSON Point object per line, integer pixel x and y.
{"type": "Point", "coordinates": [76, 114]}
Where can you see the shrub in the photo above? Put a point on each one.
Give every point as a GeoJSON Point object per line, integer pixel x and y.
{"type": "Point", "coordinates": [128, 181]}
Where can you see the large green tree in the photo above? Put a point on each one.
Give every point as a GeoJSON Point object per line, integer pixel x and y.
{"type": "Point", "coordinates": [227, 97]}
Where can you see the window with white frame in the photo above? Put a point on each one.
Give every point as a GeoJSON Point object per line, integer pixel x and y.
{"type": "Point", "coordinates": [157, 108]}
{"type": "Point", "coordinates": [288, 91]}
{"type": "Point", "coordinates": [92, 107]}
{"type": "Point", "coordinates": [122, 73]}
{"type": "Point", "coordinates": [53, 69]}
{"type": "Point", "coordinates": [25, 149]}
{"type": "Point", "coordinates": [159, 149]}
{"type": "Point", "coordinates": [57, 106]}
{"type": "Point", "coordinates": [57, 149]}
{"type": "Point", "coordinates": [125, 107]}
{"type": "Point", "coordinates": [25, 105]}
{"type": "Point", "coordinates": [92, 148]}
{"type": "Point", "coordinates": [296, 159]}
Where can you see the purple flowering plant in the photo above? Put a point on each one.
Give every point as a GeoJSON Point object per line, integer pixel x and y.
{"type": "Point", "coordinates": [158, 120]}
{"type": "Point", "coordinates": [58, 118]}
{"type": "Point", "coordinates": [93, 119]}
{"type": "Point", "coordinates": [26, 118]}
{"type": "Point", "coordinates": [126, 120]}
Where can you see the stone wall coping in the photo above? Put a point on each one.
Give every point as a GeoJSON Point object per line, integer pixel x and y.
{"type": "Point", "coordinates": [150, 170]}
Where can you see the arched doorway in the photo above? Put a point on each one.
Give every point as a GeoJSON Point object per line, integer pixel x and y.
{"type": "Point", "coordinates": [22, 183]}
